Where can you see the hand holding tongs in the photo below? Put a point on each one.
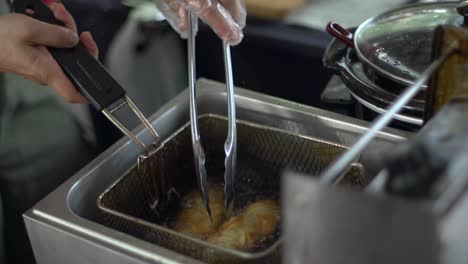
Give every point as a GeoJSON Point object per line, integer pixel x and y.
{"type": "Point", "coordinates": [88, 74]}
{"type": "Point", "coordinates": [230, 146]}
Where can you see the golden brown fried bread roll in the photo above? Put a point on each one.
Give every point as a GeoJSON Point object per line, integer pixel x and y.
{"type": "Point", "coordinates": [255, 223]}
{"type": "Point", "coordinates": [193, 220]}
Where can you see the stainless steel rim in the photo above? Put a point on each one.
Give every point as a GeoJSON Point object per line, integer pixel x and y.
{"type": "Point", "coordinates": [399, 117]}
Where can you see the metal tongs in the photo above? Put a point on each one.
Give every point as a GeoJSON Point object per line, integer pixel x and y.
{"type": "Point", "coordinates": [230, 146]}
{"type": "Point", "coordinates": [89, 75]}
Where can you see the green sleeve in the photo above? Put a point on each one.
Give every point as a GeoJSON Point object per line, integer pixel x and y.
{"type": "Point", "coordinates": [40, 139]}
{"type": "Point", "coordinates": [41, 145]}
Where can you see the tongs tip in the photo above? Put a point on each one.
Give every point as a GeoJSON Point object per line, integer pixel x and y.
{"type": "Point", "coordinates": [228, 182]}
{"type": "Point", "coordinates": [208, 210]}
{"type": "Point", "coordinates": [199, 154]}
{"type": "Point", "coordinates": [206, 199]}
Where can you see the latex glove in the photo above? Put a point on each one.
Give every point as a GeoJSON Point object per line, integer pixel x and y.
{"type": "Point", "coordinates": [225, 17]}
{"type": "Point", "coordinates": [23, 50]}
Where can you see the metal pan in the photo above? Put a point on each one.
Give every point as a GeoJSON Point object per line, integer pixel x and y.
{"type": "Point", "coordinates": [374, 96]}
{"type": "Point", "coordinates": [398, 44]}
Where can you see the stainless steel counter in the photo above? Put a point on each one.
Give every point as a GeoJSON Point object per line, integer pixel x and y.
{"type": "Point", "coordinates": [64, 228]}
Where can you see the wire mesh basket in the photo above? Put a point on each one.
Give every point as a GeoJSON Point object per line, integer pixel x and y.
{"type": "Point", "coordinates": [131, 205]}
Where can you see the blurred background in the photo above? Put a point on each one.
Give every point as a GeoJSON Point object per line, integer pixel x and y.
{"type": "Point", "coordinates": [281, 54]}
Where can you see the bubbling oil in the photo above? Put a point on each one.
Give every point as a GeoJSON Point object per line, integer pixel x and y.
{"type": "Point", "coordinates": [245, 197]}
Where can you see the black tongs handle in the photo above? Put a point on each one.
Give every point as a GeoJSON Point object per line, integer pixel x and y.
{"type": "Point", "coordinates": [85, 72]}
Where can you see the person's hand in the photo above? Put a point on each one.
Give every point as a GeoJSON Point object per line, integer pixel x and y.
{"type": "Point", "coordinates": [23, 49]}
{"type": "Point", "coordinates": [225, 17]}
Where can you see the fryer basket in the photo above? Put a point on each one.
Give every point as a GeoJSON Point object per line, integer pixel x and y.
{"type": "Point", "coordinates": [132, 204]}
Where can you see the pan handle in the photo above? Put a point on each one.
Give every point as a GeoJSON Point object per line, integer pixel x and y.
{"type": "Point", "coordinates": [340, 33]}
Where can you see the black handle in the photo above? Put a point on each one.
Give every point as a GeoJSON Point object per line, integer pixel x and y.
{"type": "Point", "coordinates": [85, 72]}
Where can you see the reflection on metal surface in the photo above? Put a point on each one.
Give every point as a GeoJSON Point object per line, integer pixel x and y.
{"type": "Point", "coordinates": [230, 146]}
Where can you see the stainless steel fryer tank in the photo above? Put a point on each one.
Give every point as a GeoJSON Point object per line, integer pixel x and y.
{"type": "Point", "coordinates": [64, 227]}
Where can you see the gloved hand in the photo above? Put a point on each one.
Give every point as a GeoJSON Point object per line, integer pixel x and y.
{"type": "Point", "coordinates": [23, 50]}
{"type": "Point", "coordinates": [225, 17]}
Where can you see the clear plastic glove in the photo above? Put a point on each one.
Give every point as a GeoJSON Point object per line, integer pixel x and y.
{"type": "Point", "coordinates": [225, 17]}
{"type": "Point", "coordinates": [24, 52]}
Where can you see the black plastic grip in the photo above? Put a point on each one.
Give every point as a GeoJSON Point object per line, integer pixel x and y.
{"type": "Point", "coordinates": [85, 72]}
